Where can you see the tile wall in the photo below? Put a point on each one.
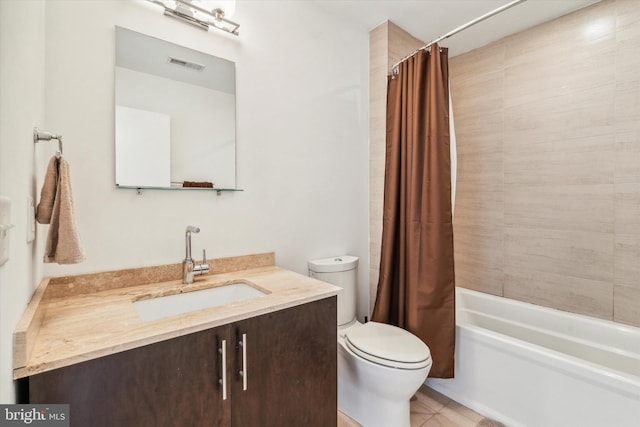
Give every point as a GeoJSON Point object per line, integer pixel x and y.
{"type": "Point", "coordinates": [548, 138]}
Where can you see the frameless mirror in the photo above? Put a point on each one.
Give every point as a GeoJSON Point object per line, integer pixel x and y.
{"type": "Point", "coordinates": [175, 115]}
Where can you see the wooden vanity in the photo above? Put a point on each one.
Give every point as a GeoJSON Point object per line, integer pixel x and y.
{"type": "Point", "coordinates": [269, 361]}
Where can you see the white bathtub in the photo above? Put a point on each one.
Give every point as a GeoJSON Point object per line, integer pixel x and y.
{"type": "Point", "coordinates": [533, 366]}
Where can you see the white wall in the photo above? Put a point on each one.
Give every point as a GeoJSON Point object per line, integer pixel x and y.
{"type": "Point", "coordinates": [21, 108]}
{"type": "Point", "coordinates": [302, 141]}
{"type": "Point", "coordinates": [302, 138]}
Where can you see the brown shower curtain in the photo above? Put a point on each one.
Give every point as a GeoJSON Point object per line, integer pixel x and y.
{"type": "Point", "coordinates": [416, 289]}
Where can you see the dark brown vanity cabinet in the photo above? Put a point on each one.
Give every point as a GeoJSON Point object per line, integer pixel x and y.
{"type": "Point", "coordinates": [278, 369]}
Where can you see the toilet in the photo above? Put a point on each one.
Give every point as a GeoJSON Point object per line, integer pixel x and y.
{"type": "Point", "coordinates": [380, 366]}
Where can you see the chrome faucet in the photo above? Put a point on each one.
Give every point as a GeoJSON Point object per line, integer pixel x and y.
{"type": "Point", "coordinates": [189, 267]}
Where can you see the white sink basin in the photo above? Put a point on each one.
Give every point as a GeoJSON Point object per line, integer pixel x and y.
{"type": "Point", "coordinates": [171, 305]}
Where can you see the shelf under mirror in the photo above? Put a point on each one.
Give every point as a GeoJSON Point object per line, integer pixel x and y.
{"type": "Point", "coordinates": [140, 189]}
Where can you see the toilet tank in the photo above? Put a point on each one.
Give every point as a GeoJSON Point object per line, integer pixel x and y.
{"type": "Point", "coordinates": [340, 271]}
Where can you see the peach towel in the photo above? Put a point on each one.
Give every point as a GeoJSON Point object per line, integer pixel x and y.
{"type": "Point", "coordinates": [56, 208]}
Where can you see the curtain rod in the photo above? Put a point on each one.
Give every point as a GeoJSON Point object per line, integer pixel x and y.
{"type": "Point", "coordinates": [394, 69]}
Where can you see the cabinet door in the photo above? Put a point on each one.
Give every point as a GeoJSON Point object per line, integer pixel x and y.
{"type": "Point", "coordinates": [290, 368]}
{"type": "Point", "coordinates": [170, 383]}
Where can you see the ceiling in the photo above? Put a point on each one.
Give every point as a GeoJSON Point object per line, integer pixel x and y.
{"type": "Point", "coordinates": [149, 55]}
{"type": "Point", "coordinates": [430, 19]}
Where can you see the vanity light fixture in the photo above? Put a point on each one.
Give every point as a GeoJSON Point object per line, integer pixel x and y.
{"type": "Point", "coordinates": [203, 14]}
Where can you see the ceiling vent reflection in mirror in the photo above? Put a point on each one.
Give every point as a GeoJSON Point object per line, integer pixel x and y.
{"type": "Point", "coordinates": [191, 65]}
{"type": "Point", "coordinates": [203, 14]}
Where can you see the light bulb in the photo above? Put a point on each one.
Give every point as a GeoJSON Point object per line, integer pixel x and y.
{"type": "Point", "coordinates": [227, 6]}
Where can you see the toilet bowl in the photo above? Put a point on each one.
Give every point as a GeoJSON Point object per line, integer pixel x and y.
{"type": "Point", "coordinates": [380, 366]}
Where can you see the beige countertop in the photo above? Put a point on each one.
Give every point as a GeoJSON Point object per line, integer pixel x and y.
{"type": "Point", "coordinates": [78, 318]}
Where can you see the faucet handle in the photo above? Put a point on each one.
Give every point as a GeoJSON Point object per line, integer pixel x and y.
{"type": "Point", "coordinates": [204, 267]}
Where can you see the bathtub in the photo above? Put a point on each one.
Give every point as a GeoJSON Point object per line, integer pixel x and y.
{"type": "Point", "coordinates": [527, 365]}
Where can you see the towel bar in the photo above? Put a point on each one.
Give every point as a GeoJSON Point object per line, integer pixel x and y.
{"type": "Point", "coordinates": [40, 135]}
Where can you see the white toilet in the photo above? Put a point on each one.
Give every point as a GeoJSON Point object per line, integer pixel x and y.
{"type": "Point", "coordinates": [380, 367]}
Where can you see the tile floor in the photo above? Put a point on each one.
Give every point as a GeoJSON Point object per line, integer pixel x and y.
{"type": "Point", "coordinates": [431, 409]}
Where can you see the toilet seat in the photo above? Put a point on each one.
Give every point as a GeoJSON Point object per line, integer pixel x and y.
{"type": "Point", "coordinates": [388, 345]}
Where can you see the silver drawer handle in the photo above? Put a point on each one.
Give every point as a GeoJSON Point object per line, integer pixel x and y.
{"type": "Point", "coordinates": [223, 381]}
{"type": "Point", "coordinates": [243, 373]}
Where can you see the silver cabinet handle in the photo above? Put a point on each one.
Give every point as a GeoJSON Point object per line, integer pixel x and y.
{"type": "Point", "coordinates": [223, 380]}
{"type": "Point", "coordinates": [243, 373]}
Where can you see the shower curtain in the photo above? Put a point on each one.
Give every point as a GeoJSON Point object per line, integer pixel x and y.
{"type": "Point", "coordinates": [416, 288]}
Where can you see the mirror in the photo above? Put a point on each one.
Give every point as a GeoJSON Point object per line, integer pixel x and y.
{"type": "Point", "coordinates": [175, 115]}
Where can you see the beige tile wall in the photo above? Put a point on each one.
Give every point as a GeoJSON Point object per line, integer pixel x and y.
{"type": "Point", "coordinates": [548, 138]}
{"type": "Point", "coordinates": [387, 44]}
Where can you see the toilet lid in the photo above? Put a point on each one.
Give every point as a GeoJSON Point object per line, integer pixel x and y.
{"type": "Point", "coordinates": [388, 345]}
